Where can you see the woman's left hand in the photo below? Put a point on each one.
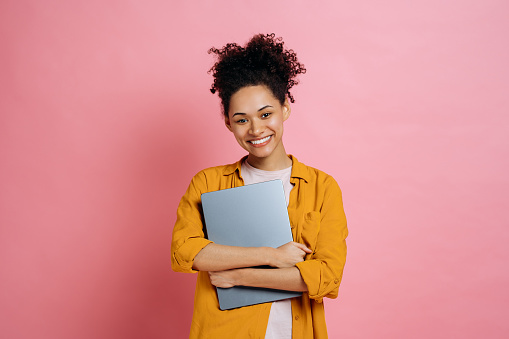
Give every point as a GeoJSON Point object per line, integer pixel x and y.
{"type": "Point", "coordinates": [224, 279]}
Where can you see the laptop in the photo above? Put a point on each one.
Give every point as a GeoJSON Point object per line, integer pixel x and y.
{"type": "Point", "coordinates": [250, 216]}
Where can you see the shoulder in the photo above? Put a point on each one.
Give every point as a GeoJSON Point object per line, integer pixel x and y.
{"type": "Point", "coordinates": [312, 175]}
{"type": "Point", "coordinates": [217, 170]}
{"type": "Point", "coordinates": [211, 175]}
{"type": "Point", "coordinates": [322, 186]}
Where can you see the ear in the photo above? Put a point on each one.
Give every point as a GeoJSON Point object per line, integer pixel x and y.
{"type": "Point", "coordinates": [286, 109]}
{"type": "Point", "coordinates": [227, 123]}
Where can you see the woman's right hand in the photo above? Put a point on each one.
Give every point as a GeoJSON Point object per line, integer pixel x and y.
{"type": "Point", "coordinates": [289, 254]}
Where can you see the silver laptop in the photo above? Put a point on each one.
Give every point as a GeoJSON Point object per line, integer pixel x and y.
{"type": "Point", "coordinates": [250, 216]}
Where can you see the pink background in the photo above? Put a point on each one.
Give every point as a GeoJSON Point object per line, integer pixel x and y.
{"type": "Point", "coordinates": [105, 115]}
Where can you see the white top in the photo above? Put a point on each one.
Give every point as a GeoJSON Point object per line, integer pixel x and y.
{"type": "Point", "coordinates": [280, 318]}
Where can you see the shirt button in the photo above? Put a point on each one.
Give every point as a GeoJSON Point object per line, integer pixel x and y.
{"type": "Point", "coordinates": [292, 226]}
{"type": "Point", "coordinates": [296, 317]}
{"type": "Point", "coordinates": [336, 281]}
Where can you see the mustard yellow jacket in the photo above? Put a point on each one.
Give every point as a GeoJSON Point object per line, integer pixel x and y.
{"type": "Point", "coordinates": [317, 220]}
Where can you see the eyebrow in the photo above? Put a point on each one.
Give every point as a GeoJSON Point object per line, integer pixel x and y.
{"type": "Point", "coordinates": [264, 107]}
{"type": "Point", "coordinates": [261, 109]}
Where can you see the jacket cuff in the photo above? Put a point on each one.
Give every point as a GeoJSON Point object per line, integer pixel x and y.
{"type": "Point", "coordinates": [318, 285]}
{"type": "Point", "coordinates": [183, 258]}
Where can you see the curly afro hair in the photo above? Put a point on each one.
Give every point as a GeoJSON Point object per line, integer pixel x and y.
{"type": "Point", "coordinates": [263, 61]}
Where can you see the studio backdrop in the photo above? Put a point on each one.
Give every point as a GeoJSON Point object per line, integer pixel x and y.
{"type": "Point", "coordinates": [106, 115]}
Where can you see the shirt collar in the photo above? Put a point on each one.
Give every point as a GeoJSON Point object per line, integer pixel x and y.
{"type": "Point", "coordinates": [299, 170]}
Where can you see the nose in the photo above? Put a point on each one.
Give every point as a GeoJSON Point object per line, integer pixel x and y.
{"type": "Point", "coordinates": [256, 127]}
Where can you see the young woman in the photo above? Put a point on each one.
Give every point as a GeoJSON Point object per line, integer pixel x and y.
{"type": "Point", "coordinates": [254, 85]}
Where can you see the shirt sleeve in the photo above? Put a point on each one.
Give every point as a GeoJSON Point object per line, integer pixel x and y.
{"type": "Point", "coordinates": [188, 237]}
{"type": "Point", "coordinates": [322, 272]}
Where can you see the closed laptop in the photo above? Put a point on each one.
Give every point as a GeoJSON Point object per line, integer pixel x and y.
{"type": "Point", "coordinates": [250, 216]}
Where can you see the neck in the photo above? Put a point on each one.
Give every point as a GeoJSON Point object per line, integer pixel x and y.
{"type": "Point", "coordinates": [278, 160]}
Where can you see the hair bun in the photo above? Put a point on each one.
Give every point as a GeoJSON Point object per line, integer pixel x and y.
{"type": "Point", "coordinates": [263, 61]}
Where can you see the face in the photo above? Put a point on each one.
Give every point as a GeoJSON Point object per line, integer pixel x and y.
{"type": "Point", "coordinates": [256, 120]}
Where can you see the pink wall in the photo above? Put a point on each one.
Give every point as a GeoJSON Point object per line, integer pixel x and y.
{"type": "Point", "coordinates": [105, 115]}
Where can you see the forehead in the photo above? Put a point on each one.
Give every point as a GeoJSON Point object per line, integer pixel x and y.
{"type": "Point", "coordinates": [252, 98]}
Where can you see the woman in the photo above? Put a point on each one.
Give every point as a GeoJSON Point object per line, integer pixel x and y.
{"type": "Point", "coordinates": [254, 85]}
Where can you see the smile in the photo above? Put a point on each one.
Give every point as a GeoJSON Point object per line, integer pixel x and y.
{"type": "Point", "coordinates": [260, 141]}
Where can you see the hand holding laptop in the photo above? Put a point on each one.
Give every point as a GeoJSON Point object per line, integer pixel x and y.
{"type": "Point", "coordinates": [289, 254]}
{"type": "Point", "coordinates": [286, 255]}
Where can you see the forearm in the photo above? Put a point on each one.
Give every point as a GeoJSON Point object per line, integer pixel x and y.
{"type": "Point", "coordinates": [215, 257]}
{"type": "Point", "coordinates": [288, 279]}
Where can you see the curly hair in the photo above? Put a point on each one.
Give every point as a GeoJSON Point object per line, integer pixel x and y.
{"type": "Point", "coordinates": [263, 61]}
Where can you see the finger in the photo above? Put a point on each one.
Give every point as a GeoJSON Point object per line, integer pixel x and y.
{"type": "Point", "coordinates": [303, 247]}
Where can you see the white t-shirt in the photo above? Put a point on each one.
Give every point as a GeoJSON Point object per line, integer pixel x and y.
{"type": "Point", "coordinates": [280, 318]}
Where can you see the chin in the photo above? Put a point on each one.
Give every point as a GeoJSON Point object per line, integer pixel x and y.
{"type": "Point", "coordinates": [261, 154]}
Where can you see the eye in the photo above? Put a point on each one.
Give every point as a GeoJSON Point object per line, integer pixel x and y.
{"type": "Point", "coordinates": [266, 115]}
{"type": "Point", "coordinates": [241, 121]}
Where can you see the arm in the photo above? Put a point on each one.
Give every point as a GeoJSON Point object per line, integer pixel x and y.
{"type": "Point", "coordinates": [288, 279]}
{"type": "Point", "coordinates": [215, 257]}
{"type": "Point", "coordinates": [322, 271]}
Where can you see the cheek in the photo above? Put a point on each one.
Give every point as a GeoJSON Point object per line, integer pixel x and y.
{"type": "Point", "coordinates": [276, 124]}
{"type": "Point", "coordinates": [238, 132]}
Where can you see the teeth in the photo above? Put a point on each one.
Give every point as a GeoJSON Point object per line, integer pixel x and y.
{"type": "Point", "coordinates": [256, 142]}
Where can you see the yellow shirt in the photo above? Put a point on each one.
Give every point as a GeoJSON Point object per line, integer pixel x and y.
{"type": "Point", "coordinates": [317, 220]}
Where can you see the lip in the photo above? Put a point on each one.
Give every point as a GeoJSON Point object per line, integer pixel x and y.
{"type": "Point", "coordinates": [263, 143]}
